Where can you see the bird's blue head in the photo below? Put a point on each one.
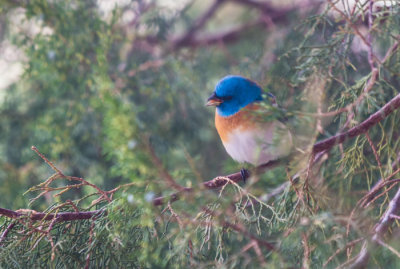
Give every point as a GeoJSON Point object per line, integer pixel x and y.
{"type": "Point", "coordinates": [233, 93]}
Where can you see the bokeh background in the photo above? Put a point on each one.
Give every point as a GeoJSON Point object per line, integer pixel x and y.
{"type": "Point", "coordinates": [86, 82]}
{"type": "Point", "coordinates": [113, 91]}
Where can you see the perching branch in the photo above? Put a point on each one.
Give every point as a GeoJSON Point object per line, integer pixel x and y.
{"type": "Point", "coordinates": [324, 145]}
{"type": "Point", "coordinates": [215, 183]}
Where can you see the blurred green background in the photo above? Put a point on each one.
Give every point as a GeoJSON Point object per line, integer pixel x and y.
{"type": "Point", "coordinates": [109, 90]}
{"type": "Point", "coordinates": [88, 83]}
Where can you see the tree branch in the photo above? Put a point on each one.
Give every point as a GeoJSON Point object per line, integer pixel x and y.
{"type": "Point", "coordinates": [63, 216]}
{"type": "Point", "coordinates": [215, 183]}
{"type": "Point", "coordinates": [380, 229]}
{"type": "Point", "coordinates": [225, 36]}
{"type": "Point", "coordinates": [363, 127]}
{"type": "Point", "coordinates": [273, 14]}
{"type": "Point", "coordinates": [200, 22]}
{"type": "Point", "coordinates": [324, 145]}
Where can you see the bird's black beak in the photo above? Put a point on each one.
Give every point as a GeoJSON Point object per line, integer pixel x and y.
{"type": "Point", "coordinates": [213, 100]}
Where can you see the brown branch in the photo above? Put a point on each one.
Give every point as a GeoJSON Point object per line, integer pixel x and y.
{"type": "Point", "coordinates": [40, 216]}
{"type": "Point", "coordinates": [186, 38]}
{"type": "Point", "coordinates": [372, 193]}
{"type": "Point", "coordinates": [269, 16]}
{"type": "Point", "coordinates": [380, 229]}
{"type": "Point", "coordinates": [223, 36]}
{"type": "Point", "coordinates": [363, 127]}
{"type": "Point", "coordinates": [215, 183]}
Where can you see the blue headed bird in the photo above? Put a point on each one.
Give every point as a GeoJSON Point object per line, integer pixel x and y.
{"type": "Point", "coordinates": [245, 134]}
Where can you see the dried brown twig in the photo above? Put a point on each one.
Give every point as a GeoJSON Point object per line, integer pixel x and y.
{"type": "Point", "coordinates": [45, 185]}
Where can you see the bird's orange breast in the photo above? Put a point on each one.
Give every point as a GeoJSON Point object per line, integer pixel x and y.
{"type": "Point", "coordinates": [244, 119]}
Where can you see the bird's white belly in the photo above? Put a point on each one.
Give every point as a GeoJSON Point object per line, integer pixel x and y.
{"type": "Point", "coordinates": [258, 146]}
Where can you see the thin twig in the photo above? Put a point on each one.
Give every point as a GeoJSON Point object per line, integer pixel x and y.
{"type": "Point", "coordinates": [351, 24]}
{"type": "Point", "coordinates": [53, 247]}
{"type": "Point", "coordinates": [373, 150]}
{"type": "Point", "coordinates": [392, 249]}
{"type": "Point", "coordinates": [46, 160]}
{"type": "Point", "coordinates": [395, 217]}
{"type": "Point", "coordinates": [377, 185]}
{"type": "Point", "coordinates": [246, 233]}
{"type": "Point", "coordinates": [369, 37]}
{"type": "Point", "coordinates": [160, 167]}
{"type": "Point", "coordinates": [306, 256]}
{"type": "Point", "coordinates": [380, 229]}
{"type": "Point", "coordinates": [87, 264]}
{"type": "Point", "coordinates": [176, 216]}
{"type": "Point", "coordinates": [6, 231]}
{"type": "Point", "coordinates": [61, 175]}
{"type": "Point", "coordinates": [348, 245]}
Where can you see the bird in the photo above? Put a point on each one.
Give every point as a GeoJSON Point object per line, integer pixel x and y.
{"type": "Point", "coordinates": [244, 131]}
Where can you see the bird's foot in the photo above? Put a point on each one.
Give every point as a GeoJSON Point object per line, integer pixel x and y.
{"type": "Point", "coordinates": [245, 174]}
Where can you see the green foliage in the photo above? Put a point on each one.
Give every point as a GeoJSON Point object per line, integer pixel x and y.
{"type": "Point", "coordinates": [107, 243]}
{"type": "Point", "coordinates": [106, 97]}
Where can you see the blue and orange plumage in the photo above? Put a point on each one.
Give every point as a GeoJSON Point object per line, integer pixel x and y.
{"type": "Point", "coordinates": [244, 134]}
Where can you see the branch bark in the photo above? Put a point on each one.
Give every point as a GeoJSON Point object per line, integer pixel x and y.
{"type": "Point", "coordinates": [363, 127]}
{"type": "Point", "coordinates": [63, 216]}
{"type": "Point", "coordinates": [215, 183]}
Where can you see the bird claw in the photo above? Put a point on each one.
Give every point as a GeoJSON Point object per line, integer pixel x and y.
{"type": "Point", "coordinates": [245, 174]}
